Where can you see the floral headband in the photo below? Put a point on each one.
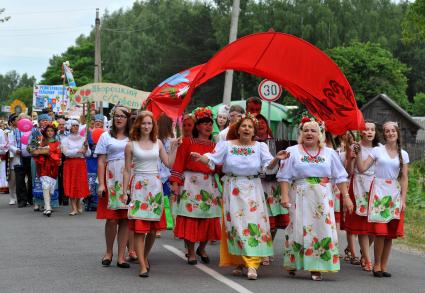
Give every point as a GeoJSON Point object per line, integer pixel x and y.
{"type": "Point", "coordinates": [307, 119]}
{"type": "Point", "coordinates": [251, 117]}
{"type": "Point", "coordinates": [119, 107]}
{"type": "Point", "coordinates": [390, 123]}
{"type": "Point", "coordinates": [203, 113]}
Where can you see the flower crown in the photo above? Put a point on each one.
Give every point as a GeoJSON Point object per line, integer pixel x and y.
{"type": "Point", "coordinates": [248, 115]}
{"type": "Point", "coordinates": [48, 125]}
{"type": "Point", "coordinates": [306, 119]}
{"type": "Point", "coordinates": [203, 112]}
{"type": "Point", "coordinates": [118, 106]}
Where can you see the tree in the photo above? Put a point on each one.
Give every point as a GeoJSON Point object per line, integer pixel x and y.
{"type": "Point", "coordinates": [11, 81]}
{"type": "Point", "coordinates": [372, 70]}
{"type": "Point", "coordinates": [414, 22]}
{"type": "Point", "coordinates": [419, 105]}
{"type": "Point", "coordinates": [22, 93]}
{"type": "Point", "coordinates": [3, 19]}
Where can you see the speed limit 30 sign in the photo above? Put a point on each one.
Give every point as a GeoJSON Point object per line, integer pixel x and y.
{"type": "Point", "coordinates": [269, 91]}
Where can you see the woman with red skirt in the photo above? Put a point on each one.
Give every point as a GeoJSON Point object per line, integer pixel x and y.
{"type": "Point", "coordinates": [146, 209]}
{"type": "Point", "coordinates": [356, 223]}
{"type": "Point", "coordinates": [112, 205]}
{"type": "Point", "coordinates": [387, 197]}
{"type": "Point", "coordinates": [75, 179]}
{"type": "Point", "coordinates": [199, 202]}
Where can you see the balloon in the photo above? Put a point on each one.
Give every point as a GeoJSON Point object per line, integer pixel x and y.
{"type": "Point", "coordinates": [24, 125]}
{"type": "Point", "coordinates": [83, 132]}
{"type": "Point", "coordinates": [25, 137]}
{"type": "Point", "coordinates": [96, 133]}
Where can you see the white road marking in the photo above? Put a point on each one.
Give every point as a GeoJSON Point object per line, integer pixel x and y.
{"type": "Point", "coordinates": [219, 277]}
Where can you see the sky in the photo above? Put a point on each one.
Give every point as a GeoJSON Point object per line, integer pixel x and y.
{"type": "Point", "coordinates": [39, 29]}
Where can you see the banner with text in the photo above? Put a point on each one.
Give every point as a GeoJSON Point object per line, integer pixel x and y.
{"type": "Point", "coordinates": [110, 93]}
{"type": "Point", "coordinates": [52, 96]}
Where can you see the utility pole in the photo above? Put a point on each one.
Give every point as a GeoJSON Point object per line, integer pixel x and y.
{"type": "Point", "coordinates": [228, 81]}
{"type": "Point", "coordinates": [97, 56]}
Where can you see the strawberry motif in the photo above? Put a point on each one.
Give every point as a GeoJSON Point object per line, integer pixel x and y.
{"type": "Point", "coordinates": [305, 232]}
{"type": "Point", "coordinates": [331, 203]}
{"type": "Point", "coordinates": [331, 245]}
{"type": "Point", "coordinates": [138, 185]}
{"type": "Point", "coordinates": [388, 181]}
{"type": "Point", "coordinates": [235, 191]}
{"type": "Point", "coordinates": [397, 212]}
{"type": "Point", "coordinates": [292, 258]}
{"type": "Point", "coordinates": [270, 200]}
{"type": "Point", "coordinates": [264, 238]}
{"type": "Point", "coordinates": [328, 220]}
{"type": "Point", "coordinates": [240, 244]}
{"type": "Point", "coordinates": [189, 207]}
{"type": "Point", "coordinates": [252, 209]}
{"type": "Point", "coordinates": [144, 206]}
{"type": "Point", "coordinates": [110, 174]}
{"type": "Point", "coordinates": [308, 252]}
{"type": "Point", "coordinates": [391, 204]}
{"type": "Point", "coordinates": [228, 218]}
{"type": "Point", "coordinates": [198, 197]}
{"type": "Point", "coordinates": [214, 201]}
{"type": "Point", "coordinates": [335, 259]}
{"type": "Point", "coordinates": [315, 240]}
{"type": "Point", "coordinates": [206, 176]}
{"type": "Point", "coordinates": [362, 209]}
{"type": "Point", "coordinates": [376, 197]}
{"type": "Point", "coordinates": [246, 232]}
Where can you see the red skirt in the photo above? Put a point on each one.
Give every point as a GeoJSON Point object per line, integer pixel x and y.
{"type": "Point", "coordinates": [354, 224]}
{"type": "Point", "coordinates": [197, 230]}
{"type": "Point", "coordinates": [75, 179]}
{"type": "Point", "coordinates": [143, 227]}
{"type": "Point", "coordinates": [279, 222]}
{"type": "Point", "coordinates": [393, 229]}
{"type": "Point", "coordinates": [103, 213]}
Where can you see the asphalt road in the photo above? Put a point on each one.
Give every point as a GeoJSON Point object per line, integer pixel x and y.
{"type": "Point", "coordinates": [63, 254]}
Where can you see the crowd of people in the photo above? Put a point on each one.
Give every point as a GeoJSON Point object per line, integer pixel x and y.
{"type": "Point", "coordinates": [224, 183]}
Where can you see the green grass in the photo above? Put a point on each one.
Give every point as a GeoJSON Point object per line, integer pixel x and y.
{"type": "Point", "coordinates": [414, 221]}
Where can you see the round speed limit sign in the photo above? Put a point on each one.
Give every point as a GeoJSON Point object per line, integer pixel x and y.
{"type": "Point", "coordinates": [269, 90]}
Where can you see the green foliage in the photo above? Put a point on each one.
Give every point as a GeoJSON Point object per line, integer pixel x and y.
{"type": "Point", "coordinates": [419, 105]}
{"type": "Point", "coordinates": [416, 189]}
{"type": "Point", "coordinates": [414, 22]}
{"type": "Point", "coordinates": [5, 18]}
{"type": "Point", "coordinates": [24, 94]}
{"type": "Point", "coordinates": [13, 86]}
{"type": "Point", "coordinates": [372, 70]}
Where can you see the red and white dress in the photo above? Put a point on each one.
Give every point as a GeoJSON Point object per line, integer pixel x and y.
{"type": "Point", "coordinates": [111, 206]}
{"type": "Point", "coordinates": [75, 179]}
{"type": "Point", "coordinates": [198, 207]}
{"type": "Point", "coordinates": [357, 223]}
{"type": "Point", "coordinates": [384, 213]}
{"type": "Point", "coordinates": [146, 209]}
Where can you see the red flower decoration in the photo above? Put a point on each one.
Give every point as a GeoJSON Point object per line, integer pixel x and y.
{"type": "Point", "coordinates": [305, 119]}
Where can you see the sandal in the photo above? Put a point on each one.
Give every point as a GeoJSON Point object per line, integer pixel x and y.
{"type": "Point", "coordinates": [367, 266]}
{"type": "Point", "coordinates": [238, 271]}
{"type": "Point", "coordinates": [354, 260]}
{"type": "Point", "coordinates": [347, 254]}
{"type": "Point", "coordinates": [265, 261]}
{"type": "Point", "coordinates": [132, 256]}
{"type": "Point", "coordinates": [316, 276]}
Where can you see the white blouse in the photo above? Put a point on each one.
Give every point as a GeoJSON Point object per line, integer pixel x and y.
{"type": "Point", "coordinates": [72, 144]}
{"type": "Point", "coordinates": [387, 167]}
{"type": "Point", "coordinates": [300, 165]}
{"type": "Point", "coordinates": [240, 160]}
{"type": "Point", "coordinates": [111, 147]}
{"type": "Point", "coordinates": [366, 152]}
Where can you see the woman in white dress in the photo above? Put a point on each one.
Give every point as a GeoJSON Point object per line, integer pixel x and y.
{"type": "Point", "coordinates": [311, 240]}
{"type": "Point", "coordinates": [246, 219]}
{"type": "Point", "coordinates": [387, 197]}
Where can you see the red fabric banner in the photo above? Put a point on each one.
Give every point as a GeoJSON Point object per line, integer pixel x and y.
{"type": "Point", "coordinates": [301, 68]}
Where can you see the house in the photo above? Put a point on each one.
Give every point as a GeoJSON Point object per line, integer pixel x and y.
{"type": "Point", "coordinates": [420, 137]}
{"type": "Point", "coordinates": [382, 109]}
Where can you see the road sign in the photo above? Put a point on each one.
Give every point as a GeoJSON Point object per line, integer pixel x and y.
{"type": "Point", "coordinates": [269, 90]}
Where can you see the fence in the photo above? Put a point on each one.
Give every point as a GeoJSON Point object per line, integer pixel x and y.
{"type": "Point", "coordinates": [416, 150]}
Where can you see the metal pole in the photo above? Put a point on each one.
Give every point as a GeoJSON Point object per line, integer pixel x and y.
{"type": "Point", "coordinates": [97, 56]}
{"type": "Point", "coordinates": [269, 114]}
{"type": "Point", "coordinates": [228, 80]}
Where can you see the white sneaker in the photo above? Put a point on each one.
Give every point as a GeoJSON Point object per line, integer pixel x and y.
{"type": "Point", "coordinates": [252, 274]}
{"type": "Point", "coordinates": [12, 202]}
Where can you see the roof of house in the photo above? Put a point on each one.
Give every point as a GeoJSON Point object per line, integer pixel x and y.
{"type": "Point", "coordinates": [420, 136]}
{"type": "Point", "coordinates": [395, 106]}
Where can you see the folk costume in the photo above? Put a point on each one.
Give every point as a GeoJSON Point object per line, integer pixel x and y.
{"type": "Point", "coordinates": [112, 206]}
{"type": "Point", "coordinates": [246, 220]}
{"type": "Point", "coordinates": [384, 213]}
{"type": "Point", "coordinates": [360, 184]}
{"type": "Point", "coordinates": [311, 240]}
{"type": "Point", "coordinates": [91, 161]}
{"type": "Point", "coordinates": [146, 209]}
{"type": "Point", "coordinates": [4, 147]}
{"type": "Point", "coordinates": [198, 207]}
{"type": "Point", "coordinates": [75, 179]}
{"type": "Point", "coordinates": [47, 167]}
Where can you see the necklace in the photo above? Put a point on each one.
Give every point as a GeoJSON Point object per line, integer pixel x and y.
{"type": "Point", "coordinates": [313, 157]}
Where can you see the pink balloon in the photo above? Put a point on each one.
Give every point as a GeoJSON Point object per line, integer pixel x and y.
{"type": "Point", "coordinates": [25, 137]}
{"type": "Point", "coordinates": [24, 125]}
{"type": "Point", "coordinates": [83, 132]}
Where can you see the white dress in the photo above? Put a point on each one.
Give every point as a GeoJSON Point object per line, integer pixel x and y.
{"type": "Point", "coordinates": [311, 240]}
{"type": "Point", "coordinates": [4, 147]}
{"type": "Point", "coordinates": [246, 218]}
{"type": "Point", "coordinates": [362, 183]}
